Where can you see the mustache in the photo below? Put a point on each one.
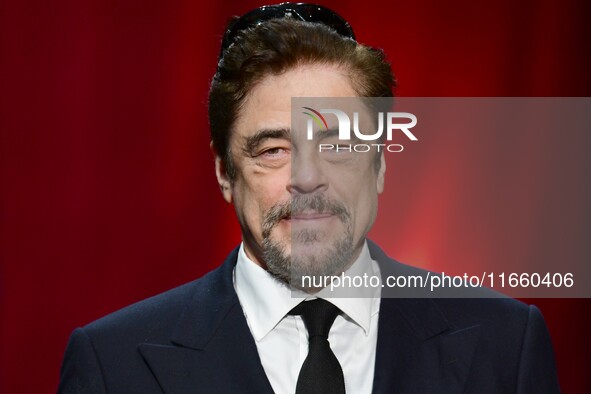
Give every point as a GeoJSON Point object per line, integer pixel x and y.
{"type": "Point", "coordinates": [300, 203]}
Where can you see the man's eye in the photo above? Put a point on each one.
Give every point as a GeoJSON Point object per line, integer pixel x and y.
{"type": "Point", "coordinates": [272, 152]}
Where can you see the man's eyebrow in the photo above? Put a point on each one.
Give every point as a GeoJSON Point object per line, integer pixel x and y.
{"type": "Point", "coordinates": [322, 134]}
{"type": "Point", "coordinates": [331, 133]}
{"type": "Point", "coordinates": [252, 142]}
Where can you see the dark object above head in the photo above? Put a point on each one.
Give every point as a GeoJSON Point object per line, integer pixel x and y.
{"type": "Point", "coordinates": [299, 11]}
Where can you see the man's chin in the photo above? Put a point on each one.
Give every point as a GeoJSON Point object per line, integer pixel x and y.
{"type": "Point", "coordinates": [304, 237]}
{"type": "Point", "coordinates": [290, 262]}
{"type": "Point", "coordinates": [309, 248]}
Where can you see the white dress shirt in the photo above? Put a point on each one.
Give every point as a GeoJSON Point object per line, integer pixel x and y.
{"type": "Point", "coordinates": [282, 340]}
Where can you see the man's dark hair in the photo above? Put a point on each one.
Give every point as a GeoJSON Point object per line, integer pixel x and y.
{"type": "Point", "coordinates": [274, 47]}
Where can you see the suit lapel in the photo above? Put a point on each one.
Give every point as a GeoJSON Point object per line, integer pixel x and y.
{"type": "Point", "coordinates": [212, 349]}
{"type": "Point", "coordinates": [415, 358]}
{"type": "Point", "coordinates": [418, 350]}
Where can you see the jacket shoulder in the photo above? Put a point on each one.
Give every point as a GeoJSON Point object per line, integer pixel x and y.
{"type": "Point", "coordinates": [152, 319]}
{"type": "Point", "coordinates": [159, 307]}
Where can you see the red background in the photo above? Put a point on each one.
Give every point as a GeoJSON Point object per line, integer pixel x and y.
{"type": "Point", "coordinates": [108, 193]}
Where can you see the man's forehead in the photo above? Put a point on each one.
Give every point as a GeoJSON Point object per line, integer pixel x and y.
{"type": "Point", "coordinates": [295, 123]}
{"type": "Point", "coordinates": [275, 91]}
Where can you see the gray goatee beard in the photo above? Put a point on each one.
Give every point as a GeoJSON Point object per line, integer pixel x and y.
{"type": "Point", "coordinates": [334, 259]}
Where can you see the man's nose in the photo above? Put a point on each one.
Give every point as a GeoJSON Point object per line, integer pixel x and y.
{"type": "Point", "coordinates": [307, 175]}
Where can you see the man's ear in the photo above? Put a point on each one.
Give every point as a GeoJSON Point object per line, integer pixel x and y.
{"type": "Point", "coordinates": [381, 174]}
{"type": "Point", "coordinates": [222, 176]}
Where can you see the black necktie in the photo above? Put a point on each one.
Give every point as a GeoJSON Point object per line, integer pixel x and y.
{"type": "Point", "coordinates": [321, 372]}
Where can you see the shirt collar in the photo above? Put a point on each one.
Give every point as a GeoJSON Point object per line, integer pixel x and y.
{"type": "Point", "coordinates": [266, 300]}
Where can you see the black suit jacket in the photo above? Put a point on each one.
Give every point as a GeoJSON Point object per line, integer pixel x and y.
{"type": "Point", "coordinates": [195, 339]}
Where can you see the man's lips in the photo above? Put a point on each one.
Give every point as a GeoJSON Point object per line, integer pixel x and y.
{"type": "Point", "coordinates": [309, 216]}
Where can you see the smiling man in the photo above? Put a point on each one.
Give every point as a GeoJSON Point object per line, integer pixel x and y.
{"type": "Point", "coordinates": [253, 325]}
{"type": "Point", "coordinates": [287, 195]}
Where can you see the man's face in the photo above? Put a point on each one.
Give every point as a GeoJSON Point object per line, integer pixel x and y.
{"type": "Point", "coordinates": [301, 212]}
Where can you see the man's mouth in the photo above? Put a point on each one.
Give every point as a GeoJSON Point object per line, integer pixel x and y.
{"type": "Point", "coordinates": [305, 212]}
{"type": "Point", "coordinates": [309, 215]}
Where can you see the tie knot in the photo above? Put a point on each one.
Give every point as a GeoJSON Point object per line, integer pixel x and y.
{"type": "Point", "coordinates": [318, 316]}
